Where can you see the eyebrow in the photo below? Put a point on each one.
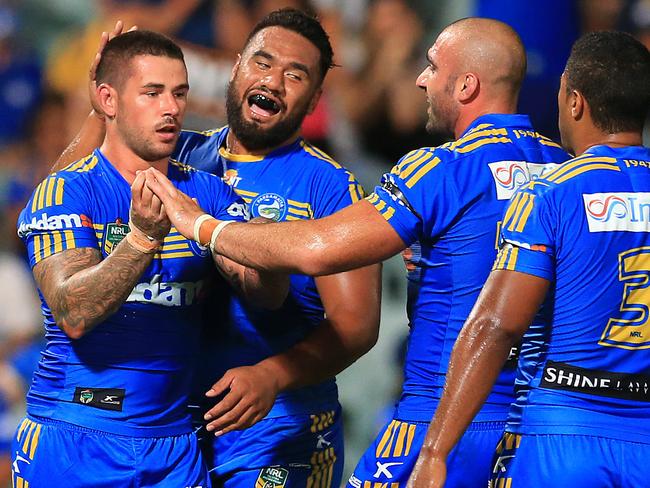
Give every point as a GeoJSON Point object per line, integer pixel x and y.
{"type": "Point", "coordinates": [293, 64]}
{"type": "Point", "coordinates": [429, 60]}
{"type": "Point", "coordinates": [161, 86]}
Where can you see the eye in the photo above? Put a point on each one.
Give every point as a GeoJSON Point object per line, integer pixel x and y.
{"type": "Point", "coordinates": [152, 93]}
{"type": "Point", "coordinates": [294, 76]}
{"type": "Point", "coordinates": [262, 65]}
{"type": "Point", "coordinates": [181, 95]}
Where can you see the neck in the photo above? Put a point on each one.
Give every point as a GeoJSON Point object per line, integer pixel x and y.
{"type": "Point", "coordinates": [235, 146]}
{"type": "Point", "coordinates": [618, 139]}
{"type": "Point", "coordinates": [126, 162]}
{"type": "Point", "coordinates": [471, 113]}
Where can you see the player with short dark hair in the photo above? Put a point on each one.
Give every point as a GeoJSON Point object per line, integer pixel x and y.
{"type": "Point", "coordinates": [577, 241]}
{"type": "Point", "coordinates": [278, 367]}
{"type": "Point", "coordinates": [121, 292]}
{"type": "Point", "coordinates": [445, 203]}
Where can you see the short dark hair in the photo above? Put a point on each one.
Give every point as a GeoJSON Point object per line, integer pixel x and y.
{"type": "Point", "coordinates": [305, 24]}
{"type": "Point", "coordinates": [120, 50]}
{"type": "Point", "coordinates": [612, 71]}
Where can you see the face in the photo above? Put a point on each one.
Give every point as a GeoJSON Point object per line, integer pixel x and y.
{"type": "Point", "coordinates": [564, 115]}
{"type": "Point", "coordinates": [274, 85]}
{"type": "Point", "coordinates": [438, 80]}
{"type": "Point", "coordinates": [151, 105]}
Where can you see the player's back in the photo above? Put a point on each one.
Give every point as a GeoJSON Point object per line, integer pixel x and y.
{"type": "Point", "coordinates": [459, 192]}
{"type": "Point", "coordinates": [589, 371]}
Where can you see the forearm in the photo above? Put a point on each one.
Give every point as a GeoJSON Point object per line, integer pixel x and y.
{"type": "Point", "coordinates": [320, 356]}
{"type": "Point", "coordinates": [89, 137]}
{"type": "Point", "coordinates": [90, 295]}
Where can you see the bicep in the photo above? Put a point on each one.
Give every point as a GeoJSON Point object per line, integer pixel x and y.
{"type": "Point", "coordinates": [510, 300]}
{"type": "Point", "coordinates": [52, 272]}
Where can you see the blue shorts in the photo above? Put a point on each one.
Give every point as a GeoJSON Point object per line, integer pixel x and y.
{"type": "Point", "coordinates": [569, 461]}
{"type": "Point", "coordinates": [52, 453]}
{"type": "Point", "coordinates": [389, 461]}
{"type": "Point", "coordinates": [290, 452]}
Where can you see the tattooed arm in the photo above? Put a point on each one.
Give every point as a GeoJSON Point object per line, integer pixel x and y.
{"type": "Point", "coordinates": [81, 289]}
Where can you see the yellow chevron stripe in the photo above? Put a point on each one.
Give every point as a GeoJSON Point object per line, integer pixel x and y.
{"type": "Point", "coordinates": [372, 198]}
{"type": "Point", "coordinates": [28, 437]}
{"type": "Point", "coordinates": [407, 170]}
{"type": "Point", "coordinates": [406, 160]}
{"type": "Point", "coordinates": [51, 182]}
{"type": "Point", "coordinates": [422, 171]}
{"type": "Point", "coordinates": [38, 247]}
{"type": "Point", "coordinates": [303, 213]}
{"type": "Point", "coordinates": [174, 238]}
{"type": "Point", "coordinates": [58, 241]}
{"type": "Point", "coordinates": [584, 169]}
{"type": "Point", "coordinates": [380, 206]}
{"type": "Point", "coordinates": [77, 164]}
{"type": "Point", "coordinates": [87, 167]}
{"type": "Point", "coordinates": [574, 163]}
{"type": "Point", "coordinates": [399, 445]}
{"type": "Point", "coordinates": [58, 198]}
{"type": "Point", "coordinates": [295, 203]}
{"type": "Point", "coordinates": [239, 158]}
{"type": "Point", "coordinates": [35, 441]}
{"type": "Point", "coordinates": [47, 246]}
{"type": "Point", "coordinates": [409, 439]}
{"type": "Point", "coordinates": [386, 451]}
{"type": "Point", "coordinates": [483, 142]}
{"type": "Point", "coordinates": [317, 153]}
{"type": "Point", "coordinates": [41, 194]}
{"type": "Point", "coordinates": [23, 424]}
{"type": "Point", "coordinates": [476, 134]}
{"type": "Point", "coordinates": [545, 142]}
{"type": "Point", "coordinates": [385, 438]}
{"type": "Point", "coordinates": [520, 205]}
{"type": "Point", "coordinates": [388, 213]}
{"type": "Point", "coordinates": [512, 206]}
{"type": "Point", "coordinates": [69, 239]}
{"type": "Point", "coordinates": [528, 207]}
{"type": "Point", "coordinates": [175, 247]}
{"type": "Point", "coordinates": [512, 259]}
{"type": "Point", "coordinates": [247, 193]}
{"type": "Point", "coordinates": [173, 255]}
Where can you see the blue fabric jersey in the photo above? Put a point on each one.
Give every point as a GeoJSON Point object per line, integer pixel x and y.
{"type": "Point", "coordinates": [586, 228]}
{"type": "Point", "coordinates": [446, 203]}
{"type": "Point", "coordinates": [131, 374]}
{"type": "Point", "coordinates": [297, 181]}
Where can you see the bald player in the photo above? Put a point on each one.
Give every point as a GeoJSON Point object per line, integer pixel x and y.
{"type": "Point", "coordinates": [444, 204]}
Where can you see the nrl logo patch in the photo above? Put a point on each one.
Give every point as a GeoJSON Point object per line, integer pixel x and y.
{"type": "Point", "coordinates": [272, 478]}
{"type": "Point", "coordinates": [115, 232]}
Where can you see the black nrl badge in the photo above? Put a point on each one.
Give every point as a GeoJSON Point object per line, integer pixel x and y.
{"type": "Point", "coordinates": [103, 398]}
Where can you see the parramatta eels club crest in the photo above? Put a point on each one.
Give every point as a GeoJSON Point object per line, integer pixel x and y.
{"type": "Point", "coordinates": [269, 205]}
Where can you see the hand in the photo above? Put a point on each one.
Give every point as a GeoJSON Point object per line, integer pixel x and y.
{"type": "Point", "coordinates": [250, 394]}
{"type": "Point", "coordinates": [181, 209]}
{"type": "Point", "coordinates": [92, 72]}
{"type": "Point", "coordinates": [429, 472]}
{"type": "Point", "coordinates": [147, 210]}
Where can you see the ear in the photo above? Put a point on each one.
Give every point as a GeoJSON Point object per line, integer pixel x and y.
{"type": "Point", "coordinates": [467, 87]}
{"type": "Point", "coordinates": [107, 98]}
{"type": "Point", "coordinates": [577, 104]}
{"type": "Point", "coordinates": [314, 100]}
{"type": "Point", "coordinates": [235, 67]}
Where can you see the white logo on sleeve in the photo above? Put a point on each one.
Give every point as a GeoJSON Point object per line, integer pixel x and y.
{"type": "Point", "coordinates": [382, 469]}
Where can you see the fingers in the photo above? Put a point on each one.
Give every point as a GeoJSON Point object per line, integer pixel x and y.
{"type": "Point", "coordinates": [117, 30]}
{"type": "Point", "coordinates": [137, 187]}
{"type": "Point", "coordinates": [159, 184]}
{"type": "Point", "coordinates": [223, 407]}
{"type": "Point", "coordinates": [237, 419]}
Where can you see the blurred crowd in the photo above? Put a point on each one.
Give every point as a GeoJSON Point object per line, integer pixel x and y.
{"type": "Point", "coordinates": [371, 112]}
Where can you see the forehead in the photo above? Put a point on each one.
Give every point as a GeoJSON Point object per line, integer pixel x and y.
{"type": "Point", "coordinates": [284, 44]}
{"type": "Point", "coordinates": [441, 46]}
{"type": "Point", "coordinates": [146, 69]}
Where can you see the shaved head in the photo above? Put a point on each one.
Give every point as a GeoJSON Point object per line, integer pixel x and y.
{"type": "Point", "coordinates": [489, 48]}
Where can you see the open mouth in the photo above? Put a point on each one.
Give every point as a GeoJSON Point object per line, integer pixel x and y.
{"type": "Point", "coordinates": [263, 105]}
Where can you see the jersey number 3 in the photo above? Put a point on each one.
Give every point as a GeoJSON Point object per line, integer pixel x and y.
{"type": "Point", "coordinates": [631, 330]}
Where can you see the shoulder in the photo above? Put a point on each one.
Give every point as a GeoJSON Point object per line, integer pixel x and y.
{"type": "Point", "coordinates": [200, 136]}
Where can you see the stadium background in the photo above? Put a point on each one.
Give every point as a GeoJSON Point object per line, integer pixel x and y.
{"type": "Point", "coordinates": [371, 114]}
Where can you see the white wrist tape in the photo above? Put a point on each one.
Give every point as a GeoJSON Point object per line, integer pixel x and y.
{"type": "Point", "coordinates": [217, 230]}
{"type": "Point", "coordinates": [197, 226]}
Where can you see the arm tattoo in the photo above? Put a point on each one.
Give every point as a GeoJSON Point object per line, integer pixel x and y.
{"type": "Point", "coordinates": [82, 289]}
{"type": "Point", "coordinates": [229, 270]}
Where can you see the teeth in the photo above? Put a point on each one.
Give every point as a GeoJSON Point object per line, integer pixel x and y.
{"type": "Point", "coordinates": [263, 102]}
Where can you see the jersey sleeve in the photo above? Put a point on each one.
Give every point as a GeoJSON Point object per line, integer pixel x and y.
{"type": "Point", "coordinates": [224, 203]}
{"type": "Point", "coordinates": [419, 197]}
{"type": "Point", "coordinates": [337, 190]}
{"type": "Point", "coordinates": [57, 217]}
{"type": "Point", "coordinates": [527, 235]}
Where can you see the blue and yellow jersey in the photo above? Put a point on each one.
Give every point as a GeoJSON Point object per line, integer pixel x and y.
{"type": "Point", "coordinates": [294, 182]}
{"type": "Point", "coordinates": [130, 375]}
{"type": "Point", "coordinates": [585, 227]}
{"type": "Point", "coordinates": [446, 203]}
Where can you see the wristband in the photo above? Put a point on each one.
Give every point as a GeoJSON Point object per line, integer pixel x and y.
{"type": "Point", "coordinates": [139, 244]}
{"type": "Point", "coordinates": [217, 230]}
{"type": "Point", "coordinates": [197, 226]}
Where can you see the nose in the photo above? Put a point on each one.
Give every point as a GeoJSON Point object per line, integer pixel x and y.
{"type": "Point", "coordinates": [422, 79]}
{"type": "Point", "coordinates": [170, 104]}
{"type": "Point", "coordinates": [274, 80]}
